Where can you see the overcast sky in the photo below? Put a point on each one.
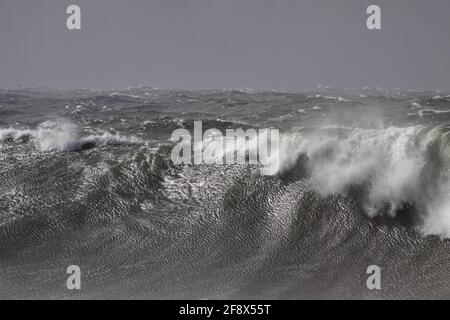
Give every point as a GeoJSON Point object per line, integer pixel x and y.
{"type": "Point", "coordinates": [262, 44]}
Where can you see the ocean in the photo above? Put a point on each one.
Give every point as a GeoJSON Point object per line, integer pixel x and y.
{"type": "Point", "coordinates": [86, 179]}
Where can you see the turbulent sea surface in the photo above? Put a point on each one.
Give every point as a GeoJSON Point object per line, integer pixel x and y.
{"type": "Point", "coordinates": [86, 179]}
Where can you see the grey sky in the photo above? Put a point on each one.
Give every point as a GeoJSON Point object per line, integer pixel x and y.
{"type": "Point", "coordinates": [282, 44]}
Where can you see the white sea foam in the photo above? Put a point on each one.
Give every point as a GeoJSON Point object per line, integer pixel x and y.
{"type": "Point", "coordinates": [424, 112]}
{"type": "Point", "coordinates": [340, 99]}
{"type": "Point", "coordinates": [392, 164]}
{"type": "Point", "coordinates": [64, 136]}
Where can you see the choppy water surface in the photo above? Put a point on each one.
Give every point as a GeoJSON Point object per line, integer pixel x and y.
{"type": "Point", "coordinates": [86, 179]}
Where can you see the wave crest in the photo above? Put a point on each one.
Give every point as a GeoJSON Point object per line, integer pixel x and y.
{"type": "Point", "coordinates": [64, 136]}
{"type": "Point", "coordinates": [394, 169]}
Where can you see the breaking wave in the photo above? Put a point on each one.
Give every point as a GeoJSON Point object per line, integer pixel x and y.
{"type": "Point", "coordinates": [396, 170]}
{"type": "Point", "coordinates": [396, 173]}
{"type": "Point", "coordinates": [64, 136]}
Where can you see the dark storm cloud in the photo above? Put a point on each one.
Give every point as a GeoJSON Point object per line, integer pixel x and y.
{"type": "Point", "coordinates": [225, 43]}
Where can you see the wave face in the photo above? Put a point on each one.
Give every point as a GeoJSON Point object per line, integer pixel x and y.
{"type": "Point", "coordinates": [394, 170]}
{"type": "Point", "coordinates": [87, 179]}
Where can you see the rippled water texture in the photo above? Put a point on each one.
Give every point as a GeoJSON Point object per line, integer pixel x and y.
{"type": "Point", "coordinates": [86, 179]}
